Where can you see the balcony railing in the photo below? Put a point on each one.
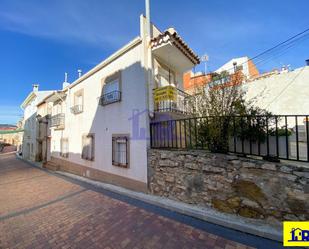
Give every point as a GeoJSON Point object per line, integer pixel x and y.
{"type": "Point", "coordinates": [110, 98]}
{"type": "Point", "coordinates": [77, 109]}
{"type": "Point", "coordinates": [180, 103]}
{"type": "Point", "coordinates": [57, 120]}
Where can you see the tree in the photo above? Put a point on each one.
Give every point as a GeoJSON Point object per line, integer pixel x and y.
{"type": "Point", "coordinates": [224, 110]}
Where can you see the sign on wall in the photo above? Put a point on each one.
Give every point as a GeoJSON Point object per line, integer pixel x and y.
{"type": "Point", "coordinates": [165, 93]}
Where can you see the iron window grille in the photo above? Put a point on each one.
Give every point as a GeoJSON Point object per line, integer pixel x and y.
{"type": "Point", "coordinates": [120, 151]}
{"type": "Point", "coordinates": [77, 109]}
{"type": "Point", "coordinates": [109, 98]}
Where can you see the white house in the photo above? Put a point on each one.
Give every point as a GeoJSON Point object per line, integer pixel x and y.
{"type": "Point", "coordinates": [100, 122]}
{"type": "Point", "coordinates": [30, 143]}
{"type": "Point", "coordinates": [244, 64]}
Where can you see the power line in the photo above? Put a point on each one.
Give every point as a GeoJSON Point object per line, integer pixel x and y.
{"type": "Point", "coordinates": [273, 48]}
{"type": "Point", "coordinates": [284, 49]}
{"type": "Point", "coordinates": [283, 90]}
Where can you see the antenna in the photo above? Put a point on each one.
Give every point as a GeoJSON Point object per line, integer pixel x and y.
{"type": "Point", "coordinates": [205, 59]}
{"type": "Point", "coordinates": [65, 77]}
{"type": "Point", "coordinates": [79, 73]}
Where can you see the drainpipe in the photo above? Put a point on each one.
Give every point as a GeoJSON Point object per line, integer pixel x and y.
{"type": "Point", "coordinates": [149, 60]}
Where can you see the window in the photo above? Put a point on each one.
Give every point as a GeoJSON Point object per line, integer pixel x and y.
{"type": "Point", "coordinates": [120, 147]}
{"type": "Point", "coordinates": [78, 102]}
{"type": "Point", "coordinates": [88, 147]}
{"type": "Point", "coordinates": [111, 92]}
{"type": "Point", "coordinates": [165, 76]}
{"type": "Point", "coordinates": [64, 147]}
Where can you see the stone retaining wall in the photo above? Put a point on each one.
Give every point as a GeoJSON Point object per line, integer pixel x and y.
{"type": "Point", "coordinates": [251, 188]}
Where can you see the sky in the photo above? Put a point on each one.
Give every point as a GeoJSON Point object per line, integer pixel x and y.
{"type": "Point", "coordinates": [41, 40]}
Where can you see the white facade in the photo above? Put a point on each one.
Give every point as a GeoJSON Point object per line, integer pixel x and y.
{"type": "Point", "coordinates": [29, 145]}
{"type": "Point", "coordinates": [229, 66]}
{"type": "Point", "coordinates": [88, 119]}
{"type": "Point", "coordinates": [282, 93]}
{"type": "Point", "coordinates": [104, 121]}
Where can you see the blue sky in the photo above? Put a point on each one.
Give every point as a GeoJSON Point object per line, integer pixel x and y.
{"type": "Point", "coordinates": [40, 40]}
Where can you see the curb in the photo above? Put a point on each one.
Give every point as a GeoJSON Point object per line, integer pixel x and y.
{"type": "Point", "coordinates": [229, 221]}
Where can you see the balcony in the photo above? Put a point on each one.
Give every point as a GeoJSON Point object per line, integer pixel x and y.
{"type": "Point", "coordinates": [57, 121]}
{"type": "Point", "coordinates": [171, 99]}
{"type": "Point", "coordinates": [77, 109]}
{"type": "Point", "coordinates": [110, 98]}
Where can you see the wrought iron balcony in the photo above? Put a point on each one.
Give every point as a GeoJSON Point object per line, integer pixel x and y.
{"type": "Point", "coordinates": [57, 120]}
{"type": "Point", "coordinates": [110, 98]}
{"type": "Point", "coordinates": [77, 109]}
{"type": "Point", "coordinates": [171, 100]}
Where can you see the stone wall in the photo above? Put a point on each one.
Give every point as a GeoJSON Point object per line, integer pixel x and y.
{"type": "Point", "coordinates": [251, 188]}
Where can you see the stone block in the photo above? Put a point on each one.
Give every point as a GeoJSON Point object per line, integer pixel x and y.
{"type": "Point", "coordinates": [248, 165]}
{"type": "Point", "coordinates": [301, 174]}
{"type": "Point", "coordinates": [168, 163]}
{"type": "Point", "coordinates": [170, 179]}
{"type": "Point", "coordinates": [212, 169]}
{"type": "Point", "coordinates": [249, 203]}
{"type": "Point", "coordinates": [269, 166]}
{"type": "Point", "coordinates": [285, 169]}
{"type": "Point", "coordinates": [191, 165]}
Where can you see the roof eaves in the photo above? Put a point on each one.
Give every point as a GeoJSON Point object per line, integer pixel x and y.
{"type": "Point", "coordinates": [178, 42]}
{"type": "Point", "coordinates": [27, 100]}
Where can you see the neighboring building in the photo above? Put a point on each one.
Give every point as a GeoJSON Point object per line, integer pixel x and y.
{"type": "Point", "coordinates": [5, 133]}
{"type": "Point", "coordinates": [282, 93]}
{"type": "Point", "coordinates": [100, 123]}
{"type": "Point", "coordinates": [44, 111]}
{"type": "Point", "coordinates": [192, 81]}
{"type": "Point", "coordinates": [11, 136]}
{"type": "Point", "coordinates": [243, 64]}
{"type": "Point", "coordinates": [30, 143]}
{"type": "Point", "coordinates": [236, 67]}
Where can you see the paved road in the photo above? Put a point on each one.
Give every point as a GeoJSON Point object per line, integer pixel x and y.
{"type": "Point", "coordinates": [43, 210]}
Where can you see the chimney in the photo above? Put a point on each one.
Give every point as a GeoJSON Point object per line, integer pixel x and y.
{"type": "Point", "coordinates": [35, 87]}
{"type": "Point", "coordinates": [79, 73]}
{"type": "Point", "coordinates": [307, 62]}
{"type": "Point", "coordinates": [65, 83]}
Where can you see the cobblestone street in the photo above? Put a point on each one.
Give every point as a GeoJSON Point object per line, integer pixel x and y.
{"type": "Point", "coordinates": [43, 210]}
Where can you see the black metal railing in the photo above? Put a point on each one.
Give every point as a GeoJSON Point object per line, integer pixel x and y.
{"type": "Point", "coordinates": [57, 120]}
{"type": "Point", "coordinates": [180, 104]}
{"type": "Point", "coordinates": [110, 98]}
{"type": "Point", "coordinates": [76, 109]}
{"type": "Point", "coordinates": [273, 137]}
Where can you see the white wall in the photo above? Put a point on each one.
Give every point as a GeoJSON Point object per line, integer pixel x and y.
{"type": "Point", "coordinates": [30, 130]}
{"type": "Point", "coordinates": [104, 121]}
{"type": "Point", "coordinates": [282, 94]}
{"type": "Point", "coordinates": [229, 67]}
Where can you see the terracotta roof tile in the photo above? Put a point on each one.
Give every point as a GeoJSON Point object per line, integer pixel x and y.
{"type": "Point", "coordinates": [172, 36]}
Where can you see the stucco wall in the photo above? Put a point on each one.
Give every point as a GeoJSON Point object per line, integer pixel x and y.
{"type": "Point", "coordinates": [251, 188]}
{"type": "Point", "coordinates": [104, 121]}
{"type": "Point", "coordinates": [282, 94]}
